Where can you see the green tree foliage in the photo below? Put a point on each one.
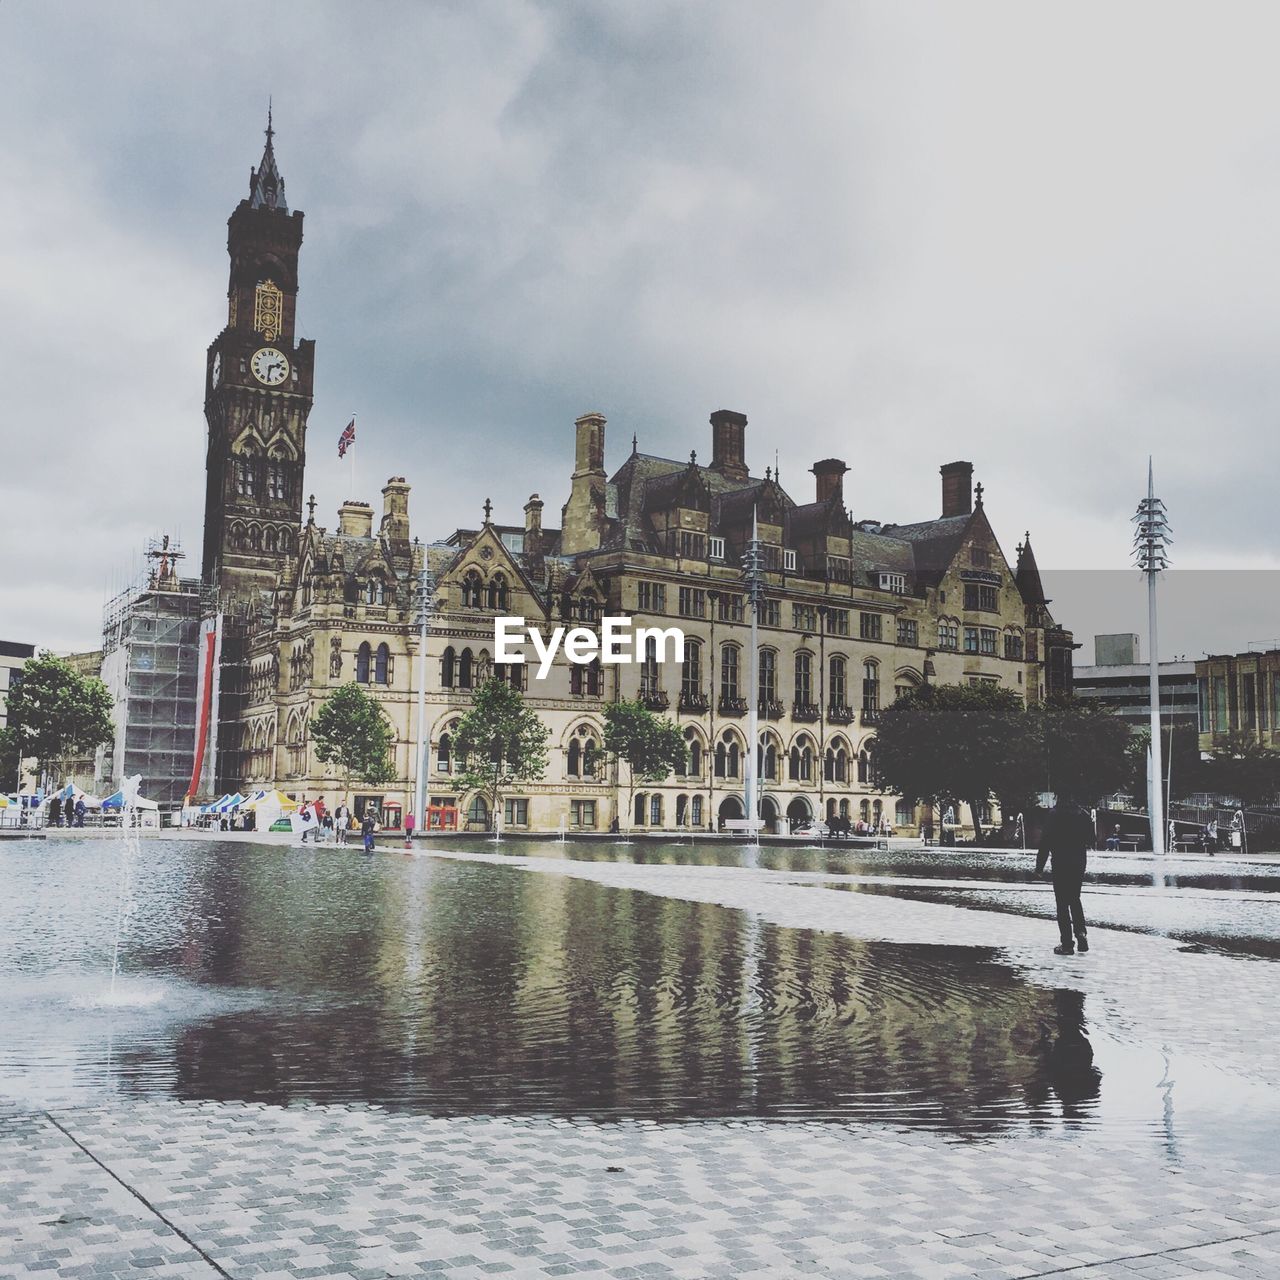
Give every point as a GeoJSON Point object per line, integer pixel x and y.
{"type": "Point", "coordinates": [54, 713]}
{"type": "Point", "coordinates": [954, 742]}
{"type": "Point", "coordinates": [1243, 767]}
{"type": "Point", "coordinates": [1082, 750]}
{"type": "Point", "coordinates": [350, 731]}
{"type": "Point", "coordinates": [499, 741]}
{"type": "Point", "coordinates": [10, 760]}
{"type": "Point", "coordinates": [971, 742]}
{"type": "Point", "coordinates": [651, 746]}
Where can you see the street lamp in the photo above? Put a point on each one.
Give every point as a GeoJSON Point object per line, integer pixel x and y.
{"type": "Point", "coordinates": [1150, 540]}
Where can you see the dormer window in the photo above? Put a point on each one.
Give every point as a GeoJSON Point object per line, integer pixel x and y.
{"type": "Point", "coordinates": [895, 582]}
{"type": "Point", "coordinates": [789, 560]}
{"type": "Point", "coordinates": [716, 551]}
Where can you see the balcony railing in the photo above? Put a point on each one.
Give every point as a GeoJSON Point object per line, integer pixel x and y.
{"type": "Point", "coordinates": [841, 714]}
{"type": "Point", "coordinates": [732, 706]}
{"type": "Point", "coordinates": [771, 709]}
{"type": "Point", "coordinates": [870, 715]}
{"type": "Point", "coordinates": [805, 712]}
{"type": "Point", "coordinates": [694, 704]}
{"type": "Point", "coordinates": [655, 699]}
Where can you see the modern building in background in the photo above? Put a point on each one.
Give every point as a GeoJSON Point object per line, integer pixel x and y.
{"type": "Point", "coordinates": [1239, 693]}
{"type": "Point", "coordinates": [1119, 680]}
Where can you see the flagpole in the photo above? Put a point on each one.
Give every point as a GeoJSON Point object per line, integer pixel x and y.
{"type": "Point", "coordinates": [352, 451]}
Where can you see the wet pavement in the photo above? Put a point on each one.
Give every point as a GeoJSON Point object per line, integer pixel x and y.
{"type": "Point", "coordinates": [631, 1059]}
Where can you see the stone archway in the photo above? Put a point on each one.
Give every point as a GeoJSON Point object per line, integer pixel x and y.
{"type": "Point", "coordinates": [730, 807]}
{"type": "Point", "coordinates": [769, 813]}
{"type": "Point", "coordinates": [799, 811]}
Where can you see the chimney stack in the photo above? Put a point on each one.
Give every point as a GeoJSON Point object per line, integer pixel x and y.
{"type": "Point", "coordinates": [957, 489]}
{"type": "Point", "coordinates": [830, 478]}
{"type": "Point", "coordinates": [728, 444]}
{"type": "Point", "coordinates": [395, 510]}
{"type": "Point", "coordinates": [583, 515]}
{"type": "Point", "coordinates": [355, 519]}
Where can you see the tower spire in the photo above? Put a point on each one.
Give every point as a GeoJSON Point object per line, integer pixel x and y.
{"type": "Point", "coordinates": [266, 186]}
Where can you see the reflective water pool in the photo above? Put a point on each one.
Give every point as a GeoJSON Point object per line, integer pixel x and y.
{"type": "Point", "coordinates": [283, 975]}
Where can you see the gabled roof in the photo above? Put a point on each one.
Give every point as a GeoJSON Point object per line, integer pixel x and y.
{"type": "Point", "coordinates": [933, 543]}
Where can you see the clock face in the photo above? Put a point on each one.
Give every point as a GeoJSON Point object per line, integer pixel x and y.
{"type": "Point", "coordinates": [269, 366]}
{"type": "Point", "coordinates": [215, 376]}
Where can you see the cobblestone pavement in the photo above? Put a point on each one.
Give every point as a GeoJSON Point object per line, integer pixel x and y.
{"type": "Point", "coordinates": [167, 1188]}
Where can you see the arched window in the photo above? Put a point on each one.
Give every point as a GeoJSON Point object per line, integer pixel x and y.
{"type": "Point", "coordinates": [734, 757]}
{"type": "Point", "coordinates": [864, 764]}
{"type": "Point", "coordinates": [497, 592]}
{"type": "Point", "coordinates": [363, 656]}
{"type": "Point", "coordinates": [804, 677]}
{"type": "Point", "coordinates": [838, 684]}
{"type": "Point", "coordinates": [767, 760]}
{"type": "Point", "coordinates": [691, 671]}
{"type": "Point", "coordinates": [768, 676]}
{"type": "Point", "coordinates": [595, 678]}
{"type": "Point", "coordinates": [448, 661]}
{"type": "Point", "coordinates": [444, 754]}
{"type": "Point", "coordinates": [464, 669]}
{"type": "Point", "coordinates": [695, 812]}
{"type": "Point", "coordinates": [802, 760]}
{"type": "Point", "coordinates": [574, 767]}
{"type": "Point", "coordinates": [729, 671]}
{"type": "Point", "coordinates": [286, 540]}
{"type": "Point", "coordinates": [682, 810]}
{"type": "Point", "coordinates": [695, 758]}
{"type": "Point", "coordinates": [649, 669]}
{"type": "Point", "coordinates": [586, 609]}
{"type": "Point", "coordinates": [472, 591]}
{"type": "Point", "coordinates": [864, 810]}
{"type": "Point", "coordinates": [269, 539]}
{"type": "Point", "coordinates": [255, 538]}
{"type": "Point", "coordinates": [655, 810]}
{"type": "Point", "coordinates": [720, 759]}
{"type": "Point", "coordinates": [382, 665]}
{"type": "Point", "coordinates": [870, 686]}
{"type": "Point", "coordinates": [483, 668]}
{"type": "Point", "coordinates": [373, 591]}
{"type": "Point", "coordinates": [640, 809]}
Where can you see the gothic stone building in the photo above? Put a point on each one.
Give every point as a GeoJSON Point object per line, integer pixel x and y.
{"type": "Point", "coordinates": [855, 613]}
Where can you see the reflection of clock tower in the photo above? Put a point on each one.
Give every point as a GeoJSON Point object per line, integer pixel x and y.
{"type": "Point", "coordinates": [258, 390]}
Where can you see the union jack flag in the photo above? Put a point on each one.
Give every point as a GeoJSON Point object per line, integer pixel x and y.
{"type": "Point", "coordinates": [347, 438]}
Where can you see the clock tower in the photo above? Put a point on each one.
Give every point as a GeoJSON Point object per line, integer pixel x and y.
{"type": "Point", "coordinates": [258, 393]}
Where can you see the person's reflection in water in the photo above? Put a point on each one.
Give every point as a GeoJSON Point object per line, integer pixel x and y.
{"type": "Point", "coordinates": [1066, 1065]}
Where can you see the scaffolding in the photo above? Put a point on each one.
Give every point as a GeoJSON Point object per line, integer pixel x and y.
{"type": "Point", "coordinates": [150, 646]}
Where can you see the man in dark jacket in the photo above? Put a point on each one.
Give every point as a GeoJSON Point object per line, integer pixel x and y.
{"type": "Point", "coordinates": [1066, 840]}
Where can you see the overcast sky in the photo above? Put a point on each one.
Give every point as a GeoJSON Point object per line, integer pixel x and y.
{"type": "Point", "coordinates": [1040, 237]}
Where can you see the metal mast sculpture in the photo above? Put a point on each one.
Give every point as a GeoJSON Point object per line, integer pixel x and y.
{"type": "Point", "coordinates": [1150, 540]}
{"type": "Point", "coordinates": [753, 576]}
{"type": "Point", "coordinates": [425, 604]}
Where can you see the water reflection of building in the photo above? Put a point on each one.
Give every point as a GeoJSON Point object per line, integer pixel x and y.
{"type": "Point", "coordinates": [857, 611]}
{"type": "Point", "coordinates": [498, 992]}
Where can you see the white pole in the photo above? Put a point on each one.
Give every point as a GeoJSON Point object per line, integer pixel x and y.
{"type": "Point", "coordinates": [420, 772]}
{"type": "Point", "coordinates": [1157, 789]}
{"type": "Point", "coordinates": [753, 681]}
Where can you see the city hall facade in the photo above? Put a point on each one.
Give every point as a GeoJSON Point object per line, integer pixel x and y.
{"type": "Point", "coordinates": [855, 611]}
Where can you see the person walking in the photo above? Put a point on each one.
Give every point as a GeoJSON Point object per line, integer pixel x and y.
{"type": "Point", "coordinates": [409, 823]}
{"type": "Point", "coordinates": [366, 830]}
{"type": "Point", "coordinates": [342, 821]}
{"type": "Point", "coordinates": [1065, 842]}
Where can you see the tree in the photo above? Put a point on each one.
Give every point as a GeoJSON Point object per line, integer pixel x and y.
{"type": "Point", "coordinates": [953, 742]}
{"type": "Point", "coordinates": [10, 761]}
{"type": "Point", "coordinates": [499, 742]}
{"type": "Point", "coordinates": [650, 745]}
{"type": "Point", "coordinates": [1082, 749]}
{"type": "Point", "coordinates": [350, 731]}
{"type": "Point", "coordinates": [54, 713]}
{"type": "Point", "coordinates": [1241, 766]}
